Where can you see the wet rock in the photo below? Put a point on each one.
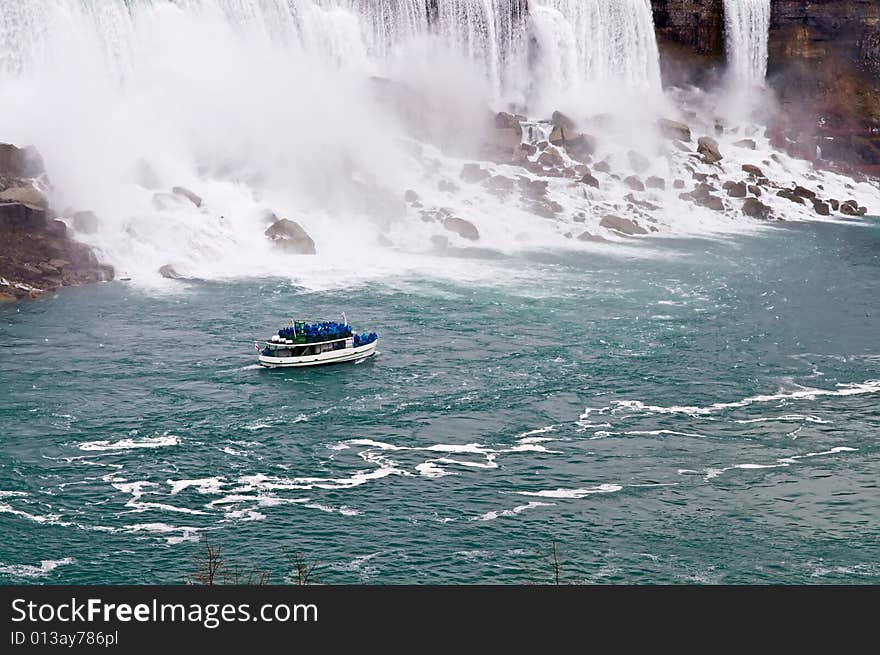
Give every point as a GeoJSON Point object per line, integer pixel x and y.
{"type": "Point", "coordinates": [752, 170]}
{"type": "Point", "coordinates": [189, 195]}
{"type": "Point", "coordinates": [86, 222]}
{"type": "Point", "coordinates": [754, 189]}
{"type": "Point", "coordinates": [678, 184]}
{"type": "Point", "coordinates": [473, 173]}
{"type": "Point", "coordinates": [644, 204]}
{"type": "Point", "coordinates": [581, 147]}
{"type": "Point", "coordinates": [563, 122]}
{"type": "Point", "coordinates": [735, 189]}
{"type": "Point", "coordinates": [534, 189]}
{"type": "Point", "coordinates": [447, 186]}
{"type": "Point", "coordinates": [862, 211]}
{"type": "Point", "coordinates": [655, 182]}
{"type": "Point", "coordinates": [638, 162]}
{"type": "Point", "coordinates": [622, 225]}
{"type": "Point", "coordinates": [821, 207]}
{"type": "Point", "coordinates": [529, 149]}
{"type": "Point", "coordinates": [589, 180]}
{"type": "Point", "coordinates": [602, 166]}
{"type": "Point", "coordinates": [20, 162]}
{"type": "Point", "coordinates": [849, 208]}
{"type": "Point", "coordinates": [167, 271]}
{"type": "Point", "coordinates": [756, 209]}
{"type": "Point", "coordinates": [499, 185]}
{"type": "Point", "coordinates": [634, 183]}
{"type": "Point", "coordinates": [551, 157]}
{"type": "Point", "coordinates": [674, 129]}
{"type": "Point", "coordinates": [835, 204]}
{"type": "Point", "coordinates": [788, 194]}
{"type": "Point", "coordinates": [462, 228]}
{"type": "Point", "coordinates": [587, 236]}
{"type": "Point", "coordinates": [804, 192]}
{"type": "Point", "coordinates": [708, 148]}
{"type": "Point", "coordinates": [26, 195]}
{"type": "Point", "coordinates": [290, 237]}
{"type": "Point", "coordinates": [21, 215]}
{"type": "Point", "coordinates": [746, 143]}
{"type": "Point", "coordinates": [411, 196]}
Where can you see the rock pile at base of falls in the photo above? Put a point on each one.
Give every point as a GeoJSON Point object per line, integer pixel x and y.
{"type": "Point", "coordinates": [37, 253]}
{"type": "Point", "coordinates": [290, 237]}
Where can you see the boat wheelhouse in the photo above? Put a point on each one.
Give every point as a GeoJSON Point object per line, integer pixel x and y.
{"type": "Point", "coordinates": [313, 344]}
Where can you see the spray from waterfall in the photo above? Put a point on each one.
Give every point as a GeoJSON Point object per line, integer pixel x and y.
{"type": "Point", "coordinates": [747, 24]}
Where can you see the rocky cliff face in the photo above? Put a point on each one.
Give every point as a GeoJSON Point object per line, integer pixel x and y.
{"type": "Point", "coordinates": [690, 35]}
{"type": "Point", "coordinates": [36, 253]}
{"type": "Point", "coordinates": [825, 66]}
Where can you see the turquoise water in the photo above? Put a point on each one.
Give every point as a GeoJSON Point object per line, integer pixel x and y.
{"type": "Point", "coordinates": [708, 413]}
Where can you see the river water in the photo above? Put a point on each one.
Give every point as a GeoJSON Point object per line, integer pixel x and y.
{"type": "Point", "coordinates": [706, 411]}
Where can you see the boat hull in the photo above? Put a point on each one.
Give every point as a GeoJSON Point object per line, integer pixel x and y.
{"type": "Point", "coordinates": [321, 359]}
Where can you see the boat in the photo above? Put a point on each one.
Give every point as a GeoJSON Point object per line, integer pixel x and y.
{"type": "Point", "coordinates": [314, 344]}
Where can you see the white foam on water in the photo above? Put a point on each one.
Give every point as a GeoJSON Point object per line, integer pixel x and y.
{"type": "Point", "coordinates": [30, 571]}
{"type": "Point", "coordinates": [170, 532]}
{"type": "Point", "coordinates": [430, 469]}
{"type": "Point", "coordinates": [491, 516]}
{"type": "Point", "coordinates": [202, 485]}
{"type": "Point", "coordinates": [160, 441]}
{"type": "Point", "coordinates": [786, 418]}
{"type": "Point", "coordinates": [330, 509]}
{"type": "Point", "coordinates": [782, 462]}
{"type": "Point", "coordinates": [574, 493]}
{"type": "Point", "coordinates": [807, 393]}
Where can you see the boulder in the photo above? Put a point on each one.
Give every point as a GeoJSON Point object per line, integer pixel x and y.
{"type": "Point", "coordinates": [411, 196]}
{"type": "Point", "coordinates": [835, 204]}
{"type": "Point", "coordinates": [678, 184]}
{"type": "Point", "coordinates": [655, 182]}
{"type": "Point", "coordinates": [580, 147]}
{"type": "Point", "coordinates": [849, 208]}
{"type": "Point", "coordinates": [26, 195]}
{"type": "Point", "coordinates": [788, 194]}
{"type": "Point", "coordinates": [529, 149]}
{"type": "Point", "coordinates": [20, 162]}
{"type": "Point", "coordinates": [563, 122]}
{"type": "Point", "coordinates": [462, 228]}
{"type": "Point", "coordinates": [622, 225]}
{"type": "Point", "coordinates": [821, 208]}
{"type": "Point", "coordinates": [587, 236]}
{"type": "Point", "coordinates": [735, 189]}
{"type": "Point", "coordinates": [447, 186]}
{"type": "Point", "coordinates": [754, 189]}
{"type": "Point", "coordinates": [634, 183]}
{"type": "Point", "coordinates": [602, 166]}
{"type": "Point", "coordinates": [746, 143]}
{"type": "Point", "coordinates": [589, 180]}
{"type": "Point", "coordinates": [804, 192]}
{"type": "Point", "coordinates": [551, 157]}
{"type": "Point", "coordinates": [21, 216]}
{"type": "Point", "coordinates": [473, 173]}
{"type": "Point", "coordinates": [708, 148]}
{"type": "Point", "coordinates": [189, 195]}
{"type": "Point", "coordinates": [674, 129]}
{"type": "Point", "coordinates": [508, 121]}
{"type": "Point", "coordinates": [754, 171]}
{"type": "Point", "coordinates": [290, 237]}
{"type": "Point", "coordinates": [534, 189]}
{"type": "Point", "coordinates": [499, 185]}
{"type": "Point", "coordinates": [85, 222]}
{"type": "Point", "coordinates": [638, 161]}
{"type": "Point", "coordinates": [756, 209]}
{"type": "Point", "coordinates": [167, 271]}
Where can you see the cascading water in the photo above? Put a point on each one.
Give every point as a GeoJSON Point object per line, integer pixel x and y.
{"type": "Point", "coordinates": [594, 42]}
{"type": "Point", "coordinates": [748, 26]}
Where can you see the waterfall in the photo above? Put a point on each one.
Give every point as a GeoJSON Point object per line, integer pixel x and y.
{"type": "Point", "coordinates": [595, 41]}
{"type": "Point", "coordinates": [748, 26]}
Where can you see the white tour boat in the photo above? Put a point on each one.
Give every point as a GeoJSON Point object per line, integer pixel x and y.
{"type": "Point", "coordinates": [313, 344]}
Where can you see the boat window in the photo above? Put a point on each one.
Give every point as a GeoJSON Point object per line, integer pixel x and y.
{"type": "Point", "coordinates": [300, 351]}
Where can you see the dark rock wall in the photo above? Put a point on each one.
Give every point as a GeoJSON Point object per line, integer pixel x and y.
{"type": "Point", "coordinates": [690, 36]}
